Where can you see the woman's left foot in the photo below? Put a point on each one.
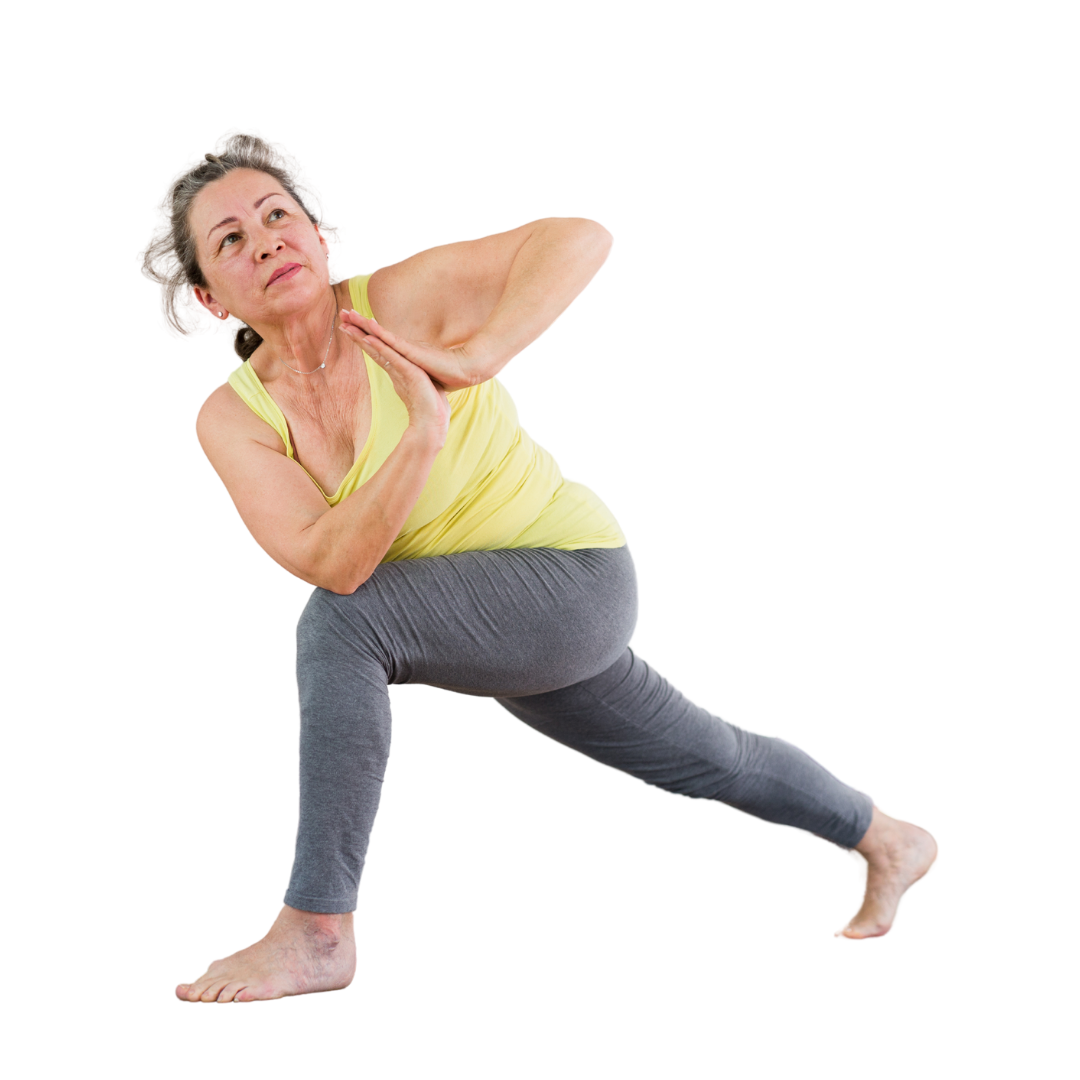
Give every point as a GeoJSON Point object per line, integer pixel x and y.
{"type": "Point", "coordinates": [897, 855]}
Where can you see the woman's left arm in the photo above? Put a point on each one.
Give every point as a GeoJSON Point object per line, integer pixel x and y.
{"type": "Point", "coordinates": [463, 311]}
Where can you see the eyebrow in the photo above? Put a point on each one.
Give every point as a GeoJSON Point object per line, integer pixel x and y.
{"type": "Point", "coordinates": [229, 220]}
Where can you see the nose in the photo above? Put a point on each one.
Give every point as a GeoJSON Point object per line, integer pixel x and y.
{"type": "Point", "coordinates": [269, 249]}
{"type": "Point", "coordinates": [268, 245]}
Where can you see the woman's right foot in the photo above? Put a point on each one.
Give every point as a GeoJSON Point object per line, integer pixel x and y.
{"type": "Point", "coordinates": [303, 953]}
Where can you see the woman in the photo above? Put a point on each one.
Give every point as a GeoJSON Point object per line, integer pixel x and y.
{"type": "Point", "coordinates": [381, 462]}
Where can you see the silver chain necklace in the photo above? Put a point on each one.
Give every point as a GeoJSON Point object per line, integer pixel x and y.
{"type": "Point", "coordinates": [328, 343]}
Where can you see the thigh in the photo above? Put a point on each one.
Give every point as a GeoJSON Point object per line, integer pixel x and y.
{"type": "Point", "coordinates": [493, 623]}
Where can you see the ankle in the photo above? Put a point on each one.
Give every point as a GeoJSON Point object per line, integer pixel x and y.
{"type": "Point", "coordinates": [328, 929]}
{"type": "Point", "coordinates": [872, 838]}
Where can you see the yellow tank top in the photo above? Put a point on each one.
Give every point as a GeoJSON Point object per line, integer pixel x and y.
{"type": "Point", "coordinates": [491, 486]}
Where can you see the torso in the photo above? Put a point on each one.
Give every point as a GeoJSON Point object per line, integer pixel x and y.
{"type": "Point", "coordinates": [327, 439]}
{"type": "Point", "coordinates": [329, 425]}
{"type": "Point", "coordinates": [329, 414]}
{"type": "Point", "coordinates": [329, 428]}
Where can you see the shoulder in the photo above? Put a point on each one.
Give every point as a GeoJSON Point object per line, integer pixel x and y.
{"type": "Point", "coordinates": [225, 418]}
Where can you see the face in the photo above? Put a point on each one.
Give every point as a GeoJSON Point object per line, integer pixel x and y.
{"type": "Point", "coordinates": [262, 258]}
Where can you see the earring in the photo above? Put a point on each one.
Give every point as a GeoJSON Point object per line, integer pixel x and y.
{"type": "Point", "coordinates": [221, 314]}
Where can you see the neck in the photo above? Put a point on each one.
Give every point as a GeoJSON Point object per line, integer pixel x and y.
{"type": "Point", "coordinates": [303, 341]}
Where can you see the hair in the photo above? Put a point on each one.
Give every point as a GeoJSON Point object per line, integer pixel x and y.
{"type": "Point", "coordinates": [170, 259]}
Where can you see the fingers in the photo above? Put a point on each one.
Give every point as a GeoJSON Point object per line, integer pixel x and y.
{"type": "Point", "coordinates": [360, 335]}
{"type": "Point", "coordinates": [442, 366]}
{"type": "Point", "coordinates": [371, 337]}
{"type": "Point", "coordinates": [380, 351]}
{"type": "Point", "coordinates": [354, 318]}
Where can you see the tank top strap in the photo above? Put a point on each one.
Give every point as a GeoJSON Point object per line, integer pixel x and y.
{"type": "Point", "coordinates": [359, 295]}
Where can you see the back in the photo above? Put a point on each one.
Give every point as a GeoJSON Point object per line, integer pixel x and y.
{"type": "Point", "coordinates": [273, 494]}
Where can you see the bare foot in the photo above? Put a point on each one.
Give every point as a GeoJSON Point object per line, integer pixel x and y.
{"type": "Point", "coordinates": [897, 855]}
{"type": "Point", "coordinates": [304, 953]}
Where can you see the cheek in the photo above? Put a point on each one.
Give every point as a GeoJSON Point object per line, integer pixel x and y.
{"type": "Point", "coordinates": [303, 238]}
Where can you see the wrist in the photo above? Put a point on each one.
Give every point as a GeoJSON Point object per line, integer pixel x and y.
{"type": "Point", "coordinates": [482, 357]}
{"type": "Point", "coordinates": [424, 436]}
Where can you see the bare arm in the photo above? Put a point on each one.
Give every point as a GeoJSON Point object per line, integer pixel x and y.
{"type": "Point", "coordinates": [549, 273]}
{"type": "Point", "coordinates": [349, 541]}
{"type": "Point", "coordinates": [463, 311]}
{"type": "Point", "coordinates": [337, 547]}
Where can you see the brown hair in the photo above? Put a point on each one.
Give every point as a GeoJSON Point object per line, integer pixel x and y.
{"type": "Point", "coordinates": [170, 258]}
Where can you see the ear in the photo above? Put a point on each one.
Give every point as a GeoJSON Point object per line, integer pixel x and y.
{"type": "Point", "coordinates": [211, 305]}
{"type": "Point", "coordinates": [328, 248]}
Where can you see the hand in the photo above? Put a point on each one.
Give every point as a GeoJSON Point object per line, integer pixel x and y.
{"type": "Point", "coordinates": [429, 409]}
{"type": "Point", "coordinates": [450, 369]}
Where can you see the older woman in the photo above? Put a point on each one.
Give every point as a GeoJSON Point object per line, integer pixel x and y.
{"type": "Point", "coordinates": [381, 461]}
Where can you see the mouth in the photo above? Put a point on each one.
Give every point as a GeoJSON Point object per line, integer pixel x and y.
{"type": "Point", "coordinates": [283, 272]}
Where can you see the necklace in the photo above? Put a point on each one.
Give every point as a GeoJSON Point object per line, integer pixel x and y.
{"type": "Point", "coordinates": [328, 343]}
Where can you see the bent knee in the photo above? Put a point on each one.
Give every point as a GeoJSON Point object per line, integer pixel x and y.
{"type": "Point", "coordinates": [332, 622]}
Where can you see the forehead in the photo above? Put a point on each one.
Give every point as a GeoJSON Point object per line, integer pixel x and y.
{"type": "Point", "coordinates": [234, 194]}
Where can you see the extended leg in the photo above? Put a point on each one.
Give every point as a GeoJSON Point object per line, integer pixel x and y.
{"type": "Point", "coordinates": [632, 719]}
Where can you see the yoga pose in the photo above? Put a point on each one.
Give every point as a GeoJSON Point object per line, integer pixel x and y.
{"type": "Point", "coordinates": [371, 452]}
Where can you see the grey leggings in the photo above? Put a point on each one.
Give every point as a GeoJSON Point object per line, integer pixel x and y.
{"type": "Point", "coordinates": [544, 632]}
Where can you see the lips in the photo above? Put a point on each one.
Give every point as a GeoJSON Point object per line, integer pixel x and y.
{"type": "Point", "coordinates": [283, 272]}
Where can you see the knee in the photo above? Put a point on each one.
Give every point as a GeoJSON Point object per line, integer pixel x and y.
{"type": "Point", "coordinates": [331, 623]}
{"type": "Point", "coordinates": [321, 610]}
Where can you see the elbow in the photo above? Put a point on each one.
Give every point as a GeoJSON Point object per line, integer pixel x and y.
{"type": "Point", "coordinates": [342, 584]}
{"type": "Point", "coordinates": [322, 578]}
{"type": "Point", "coordinates": [602, 245]}
{"type": "Point", "coordinates": [336, 576]}
{"type": "Point", "coordinates": [583, 244]}
{"type": "Point", "coordinates": [339, 588]}
{"type": "Point", "coordinates": [602, 229]}
{"type": "Point", "coordinates": [584, 231]}
{"type": "Point", "coordinates": [594, 239]}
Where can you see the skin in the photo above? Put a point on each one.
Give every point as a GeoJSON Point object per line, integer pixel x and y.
{"type": "Point", "coordinates": [305, 952]}
{"type": "Point", "coordinates": [313, 953]}
{"type": "Point", "coordinates": [293, 316]}
{"type": "Point", "coordinates": [302, 952]}
{"type": "Point", "coordinates": [897, 854]}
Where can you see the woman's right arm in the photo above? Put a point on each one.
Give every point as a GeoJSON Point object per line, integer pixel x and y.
{"type": "Point", "coordinates": [337, 547]}
{"type": "Point", "coordinates": [347, 542]}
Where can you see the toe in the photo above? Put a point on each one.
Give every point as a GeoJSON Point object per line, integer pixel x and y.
{"type": "Point", "coordinates": [212, 991]}
{"type": "Point", "coordinates": [188, 991]}
{"type": "Point", "coordinates": [230, 991]}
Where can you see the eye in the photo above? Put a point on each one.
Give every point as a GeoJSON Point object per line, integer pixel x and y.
{"type": "Point", "coordinates": [228, 240]}
{"type": "Point", "coordinates": [270, 216]}
{"type": "Point", "coordinates": [225, 240]}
